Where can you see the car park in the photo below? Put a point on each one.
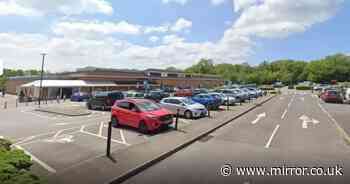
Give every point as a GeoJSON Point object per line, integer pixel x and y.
{"type": "Point", "coordinates": [187, 107]}
{"type": "Point", "coordinates": [145, 115]}
{"type": "Point", "coordinates": [104, 100]}
{"type": "Point", "coordinates": [79, 97]}
{"type": "Point", "coordinates": [332, 96]}
{"type": "Point", "coordinates": [207, 101]}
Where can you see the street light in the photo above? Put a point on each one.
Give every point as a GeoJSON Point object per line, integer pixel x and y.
{"type": "Point", "coordinates": [41, 77]}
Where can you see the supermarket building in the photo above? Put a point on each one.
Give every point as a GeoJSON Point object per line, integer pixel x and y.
{"type": "Point", "coordinates": [95, 79]}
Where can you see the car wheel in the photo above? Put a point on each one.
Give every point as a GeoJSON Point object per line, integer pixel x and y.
{"type": "Point", "coordinates": [188, 114]}
{"type": "Point", "coordinates": [89, 106]}
{"type": "Point", "coordinates": [115, 122]}
{"type": "Point", "coordinates": [143, 127]}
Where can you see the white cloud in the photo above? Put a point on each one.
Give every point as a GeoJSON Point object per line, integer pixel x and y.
{"type": "Point", "coordinates": [95, 27]}
{"type": "Point", "coordinates": [243, 4]}
{"type": "Point", "coordinates": [217, 2]}
{"type": "Point", "coordinates": [66, 7]}
{"type": "Point", "coordinates": [157, 29]}
{"type": "Point", "coordinates": [153, 39]}
{"type": "Point", "coordinates": [271, 18]}
{"type": "Point", "coordinates": [170, 39]}
{"type": "Point", "coordinates": [277, 18]}
{"type": "Point", "coordinates": [181, 24]}
{"type": "Point", "coordinates": [182, 2]}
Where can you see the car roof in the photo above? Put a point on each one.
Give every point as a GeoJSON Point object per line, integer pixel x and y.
{"type": "Point", "coordinates": [176, 98]}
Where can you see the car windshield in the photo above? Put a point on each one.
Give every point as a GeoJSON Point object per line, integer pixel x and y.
{"type": "Point", "coordinates": [148, 106]}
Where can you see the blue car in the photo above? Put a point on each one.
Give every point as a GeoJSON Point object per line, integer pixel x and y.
{"type": "Point", "coordinates": [207, 100]}
{"type": "Point", "coordinates": [79, 97]}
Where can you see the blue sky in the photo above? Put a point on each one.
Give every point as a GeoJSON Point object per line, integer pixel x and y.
{"type": "Point", "coordinates": [161, 33]}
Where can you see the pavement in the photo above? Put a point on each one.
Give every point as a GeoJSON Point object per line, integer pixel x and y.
{"type": "Point", "coordinates": [292, 130]}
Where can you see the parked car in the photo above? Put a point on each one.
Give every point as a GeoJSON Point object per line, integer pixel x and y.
{"type": "Point", "coordinates": [187, 107]}
{"type": "Point", "coordinates": [250, 93]}
{"type": "Point", "coordinates": [104, 100]}
{"type": "Point", "coordinates": [134, 94]}
{"type": "Point", "coordinates": [227, 99]}
{"type": "Point", "coordinates": [241, 94]}
{"type": "Point", "coordinates": [145, 115]}
{"type": "Point", "coordinates": [347, 95]}
{"type": "Point", "coordinates": [200, 91]}
{"type": "Point", "coordinates": [207, 101]}
{"type": "Point", "coordinates": [156, 95]}
{"type": "Point", "coordinates": [79, 97]}
{"type": "Point", "coordinates": [183, 93]}
{"type": "Point", "coordinates": [218, 97]}
{"type": "Point", "coordinates": [233, 93]}
{"type": "Point", "coordinates": [332, 96]}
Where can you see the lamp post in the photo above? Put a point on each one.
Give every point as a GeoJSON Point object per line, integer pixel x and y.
{"type": "Point", "coordinates": [41, 77]}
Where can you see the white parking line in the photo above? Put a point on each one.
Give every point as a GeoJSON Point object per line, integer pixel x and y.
{"type": "Point", "coordinates": [58, 133]}
{"type": "Point", "coordinates": [38, 115]}
{"type": "Point", "coordinates": [272, 136]}
{"type": "Point", "coordinates": [102, 137]}
{"type": "Point", "coordinates": [284, 114]}
{"type": "Point", "coordinates": [43, 164]}
{"type": "Point", "coordinates": [122, 136]}
{"type": "Point", "coordinates": [100, 129]}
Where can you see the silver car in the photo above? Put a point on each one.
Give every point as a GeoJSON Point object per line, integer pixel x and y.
{"type": "Point", "coordinates": [227, 97]}
{"type": "Point", "coordinates": [187, 108]}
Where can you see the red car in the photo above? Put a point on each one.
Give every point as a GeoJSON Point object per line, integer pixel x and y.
{"type": "Point", "coordinates": [145, 115]}
{"type": "Point", "coordinates": [183, 93]}
{"type": "Point", "coordinates": [331, 96]}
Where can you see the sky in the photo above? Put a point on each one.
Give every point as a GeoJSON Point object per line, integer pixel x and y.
{"type": "Point", "coordinates": [138, 34]}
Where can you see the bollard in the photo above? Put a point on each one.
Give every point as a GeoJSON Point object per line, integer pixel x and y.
{"type": "Point", "coordinates": [5, 105]}
{"type": "Point", "coordinates": [109, 138]}
{"type": "Point", "coordinates": [16, 103]}
{"type": "Point", "coordinates": [64, 98]}
{"type": "Point", "coordinates": [177, 118]}
{"type": "Point", "coordinates": [228, 103]}
{"type": "Point", "coordinates": [58, 99]}
{"type": "Point", "coordinates": [208, 111]}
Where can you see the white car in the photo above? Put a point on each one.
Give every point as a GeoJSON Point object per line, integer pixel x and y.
{"type": "Point", "coordinates": [187, 108]}
{"type": "Point", "coordinates": [347, 95]}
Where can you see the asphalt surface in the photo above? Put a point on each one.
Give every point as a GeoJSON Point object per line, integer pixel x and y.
{"type": "Point", "coordinates": [58, 143]}
{"type": "Point", "coordinates": [294, 131]}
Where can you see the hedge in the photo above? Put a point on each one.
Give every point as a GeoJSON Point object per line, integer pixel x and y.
{"type": "Point", "coordinates": [15, 166]}
{"type": "Point", "coordinates": [303, 87]}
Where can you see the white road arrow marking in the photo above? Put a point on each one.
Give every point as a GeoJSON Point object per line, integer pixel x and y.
{"type": "Point", "coordinates": [307, 120]}
{"type": "Point", "coordinates": [259, 117]}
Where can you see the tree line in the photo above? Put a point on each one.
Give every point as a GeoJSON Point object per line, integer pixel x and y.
{"type": "Point", "coordinates": [334, 67]}
{"type": "Point", "coordinates": [12, 73]}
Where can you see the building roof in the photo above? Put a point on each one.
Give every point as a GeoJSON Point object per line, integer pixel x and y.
{"type": "Point", "coordinates": [70, 83]}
